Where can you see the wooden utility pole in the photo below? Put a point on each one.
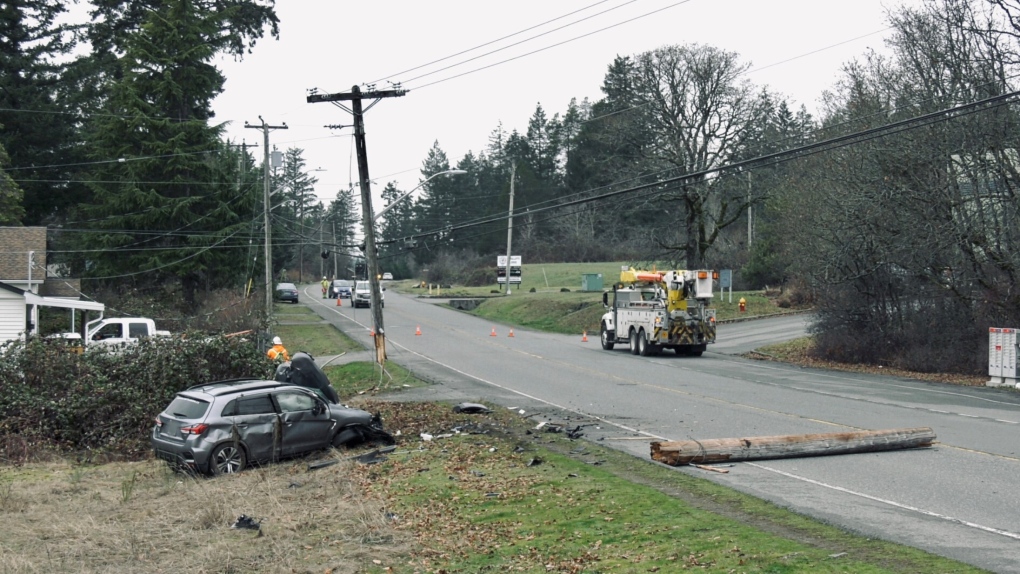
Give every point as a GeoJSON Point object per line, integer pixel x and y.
{"type": "Point", "coordinates": [678, 453]}
{"type": "Point", "coordinates": [355, 96]}
{"type": "Point", "coordinates": [266, 193]}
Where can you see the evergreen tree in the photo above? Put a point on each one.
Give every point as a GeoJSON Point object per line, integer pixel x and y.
{"type": "Point", "coordinates": [342, 220]}
{"type": "Point", "coordinates": [11, 210]}
{"type": "Point", "coordinates": [39, 126]}
{"type": "Point", "coordinates": [173, 200]}
{"type": "Point", "coordinates": [293, 222]}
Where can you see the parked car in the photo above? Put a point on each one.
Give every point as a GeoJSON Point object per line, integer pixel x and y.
{"type": "Point", "coordinates": [363, 295]}
{"type": "Point", "coordinates": [286, 292]}
{"type": "Point", "coordinates": [387, 276]}
{"type": "Point", "coordinates": [222, 427]}
{"type": "Point", "coordinates": [342, 288]}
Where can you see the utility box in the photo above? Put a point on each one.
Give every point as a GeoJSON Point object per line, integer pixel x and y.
{"type": "Point", "coordinates": [1002, 357]}
{"type": "Point", "coordinates": [591, 282]}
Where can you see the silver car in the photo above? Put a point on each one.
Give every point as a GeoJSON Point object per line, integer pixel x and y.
{"type": "Point", "coordinates": [363, 295]}
{"type": "Point", "coordinates": [224, 426]}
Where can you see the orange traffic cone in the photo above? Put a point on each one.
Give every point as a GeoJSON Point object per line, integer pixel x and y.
{"type": "Point", "coordinates": [493, 333]}
{"type": "Point", "coordinates": [338, 301]}
{"type": "Point", "coordinates": [371, 333]}
{"type": "Point", "coordinates": [417, 331]}
{"type": "Point", "coordinates": [584, 336]}
{"type": "Point", "coordinates": [511, 333]}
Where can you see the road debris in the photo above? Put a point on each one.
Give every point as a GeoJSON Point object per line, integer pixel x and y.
{"type": "Point", "coordinates": [472, 409]}
{"type": "Point", "coordinates": [245, 522]}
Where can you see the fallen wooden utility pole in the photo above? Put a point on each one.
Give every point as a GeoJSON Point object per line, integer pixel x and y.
{"type": "Point", "coordinates": [677, 453]}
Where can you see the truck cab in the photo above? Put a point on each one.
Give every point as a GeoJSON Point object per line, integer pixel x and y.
{"type": "Point", "coordinates": [115, 331]}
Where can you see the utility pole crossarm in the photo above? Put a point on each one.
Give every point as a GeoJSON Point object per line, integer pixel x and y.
{"type": "Point", "coordinates": [346, 96]}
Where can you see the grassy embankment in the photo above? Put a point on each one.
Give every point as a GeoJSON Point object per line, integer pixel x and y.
{"type": "Point", "coordinates": [483, 495]}
{"type": "Point", "coordinates": [549, 308]}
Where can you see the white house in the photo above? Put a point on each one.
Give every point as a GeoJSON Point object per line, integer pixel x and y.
{"type": "Point", "coordinates": [24, 286]}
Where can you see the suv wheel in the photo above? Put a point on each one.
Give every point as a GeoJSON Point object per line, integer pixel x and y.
{"type": "Point", "coordinates": [228, 458]}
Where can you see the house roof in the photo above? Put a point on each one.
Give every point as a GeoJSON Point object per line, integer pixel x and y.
{"type": "Point", "coordinates": [33, 299]}
{"type": "Point", "coordinates": [11, 288]}
{"type": "Point", "coordinates": [15, 243]}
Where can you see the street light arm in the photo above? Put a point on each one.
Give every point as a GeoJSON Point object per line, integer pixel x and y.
{"type": "Point", "coordinates": [408, 194]}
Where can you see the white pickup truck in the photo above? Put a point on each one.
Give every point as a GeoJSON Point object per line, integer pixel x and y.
{"type": "Point", "coordinates": [118, 330]}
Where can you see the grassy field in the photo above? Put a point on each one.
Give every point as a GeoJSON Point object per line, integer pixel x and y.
{"type": "Point", "coordinates": [483, 495]}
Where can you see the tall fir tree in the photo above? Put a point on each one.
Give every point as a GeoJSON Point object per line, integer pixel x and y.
{"type": "Point", "coordinates": [169, 209]}
{"type": "Point", "coordinates": [37, 118]}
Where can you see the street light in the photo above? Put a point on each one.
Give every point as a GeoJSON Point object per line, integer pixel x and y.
{"type": "Point", "coordinates": [408, 194]}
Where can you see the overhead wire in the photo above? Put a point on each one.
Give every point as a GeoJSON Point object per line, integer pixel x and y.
{"type": "Point", "coordinates": [524, 41]}
{"type": "Point", "coordinates": [775, 157]}
{"type": "Point", "coordinates": [557, 44]}
{"type": "Point", "coordinates": [489, 43]}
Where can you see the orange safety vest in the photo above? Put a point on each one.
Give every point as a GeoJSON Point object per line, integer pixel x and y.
{"type": "Point", "coordinates": [276, 352]}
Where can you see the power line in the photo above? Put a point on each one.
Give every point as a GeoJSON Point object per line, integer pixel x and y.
{"type": "Point", "coordinates": [524, 41]}
{"type": "Point", "coordinates": [760, 161]}
{"type": "Point", "coordinates": [491, 42]}
{"type": "Point", "coordinates": [552, 45]}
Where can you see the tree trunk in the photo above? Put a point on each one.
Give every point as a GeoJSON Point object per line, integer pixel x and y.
{"type": "Point", "coordinates": [677, 453]}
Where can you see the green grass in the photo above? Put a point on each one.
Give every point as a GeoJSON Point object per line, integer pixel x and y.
{"type": "Point", "coordinates": [554, 312]}
{"type": "Point", "coordinates": [550, 308]}
{"type": "Point", "coordinates": [286, 313]}
{"type": "Point", "coordinates": [575, 312]}
{"type": "Point", "coordinates": [478, 503]}
{"type": "Point", "coordinates": [359, 378]}
{"type": "Point", "coordinates": [316, 340]}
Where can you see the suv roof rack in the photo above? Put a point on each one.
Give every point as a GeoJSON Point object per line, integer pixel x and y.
{"type": "Point", "coordinates": [228, 385]}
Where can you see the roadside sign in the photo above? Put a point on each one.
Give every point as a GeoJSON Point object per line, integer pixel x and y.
{"type": "Point", "coordinates": [725, 278]}
{"type": "Point", "coordinates": [515, 269]}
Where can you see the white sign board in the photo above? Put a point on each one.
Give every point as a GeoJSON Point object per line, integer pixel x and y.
{"type": "Point", "coordinates": [515, 269]}
{"type": "Point", "coordinates": [1002, 356]}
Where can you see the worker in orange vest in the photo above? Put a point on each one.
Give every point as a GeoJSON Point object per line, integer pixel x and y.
{"type": "Point", "coordinates": [277, 351]}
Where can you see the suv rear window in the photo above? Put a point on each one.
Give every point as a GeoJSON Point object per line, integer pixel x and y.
{"type": "Point", "coordinates": [187, 408]}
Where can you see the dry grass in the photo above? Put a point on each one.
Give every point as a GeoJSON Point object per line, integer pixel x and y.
{"type": "Point", "coordinates": [799, 352]}
{"type": "Point", "coordinates": [132, 517]}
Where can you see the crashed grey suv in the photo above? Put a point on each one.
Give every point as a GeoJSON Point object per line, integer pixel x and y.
{"type": "Point", "coordinates": [222, 427]}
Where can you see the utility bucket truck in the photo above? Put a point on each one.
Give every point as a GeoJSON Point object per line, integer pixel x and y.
{"type": "Point", "coordinates": [655, 310]}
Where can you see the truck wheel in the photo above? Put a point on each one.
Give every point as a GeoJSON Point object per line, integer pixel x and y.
{"type": "Point", "coordinates": [644, 349]}
{"type": "Point", "coordinates": [633, 342]}
{"type": "Point", "coordinates": [697, 350]}
{"type": "Point", "coordinates": [607, 337]}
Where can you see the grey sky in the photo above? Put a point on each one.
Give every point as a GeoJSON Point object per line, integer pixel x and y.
{"type": "Point", "coordinates": [333, 45]}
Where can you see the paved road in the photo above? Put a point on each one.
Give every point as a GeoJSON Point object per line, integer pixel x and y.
{"type": "Point", "coordinates": [958, 499]}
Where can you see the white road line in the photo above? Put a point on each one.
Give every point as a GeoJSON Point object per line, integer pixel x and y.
{"type": "Point", "coordinates": [1005, 533]}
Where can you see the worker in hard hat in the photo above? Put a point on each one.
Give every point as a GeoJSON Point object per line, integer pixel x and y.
{"type": "Point", "coordinates": [277, 351]}
{"type": "Point", "coordinates": [325, 286]}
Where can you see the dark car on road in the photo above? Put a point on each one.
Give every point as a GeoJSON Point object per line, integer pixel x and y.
{"type": "Point", "coordinates": [224, 426]}
{"type": "Point", "coordinates": [286, 292]}
{"type": "Point", "coordinates": [342, 288]}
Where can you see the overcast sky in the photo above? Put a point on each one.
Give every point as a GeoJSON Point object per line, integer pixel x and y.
{"type": "Point", "coordinates": [796, 47]}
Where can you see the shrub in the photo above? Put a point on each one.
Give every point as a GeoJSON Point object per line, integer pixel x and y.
{"type": "Point", "coordinates": [104, 401]}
